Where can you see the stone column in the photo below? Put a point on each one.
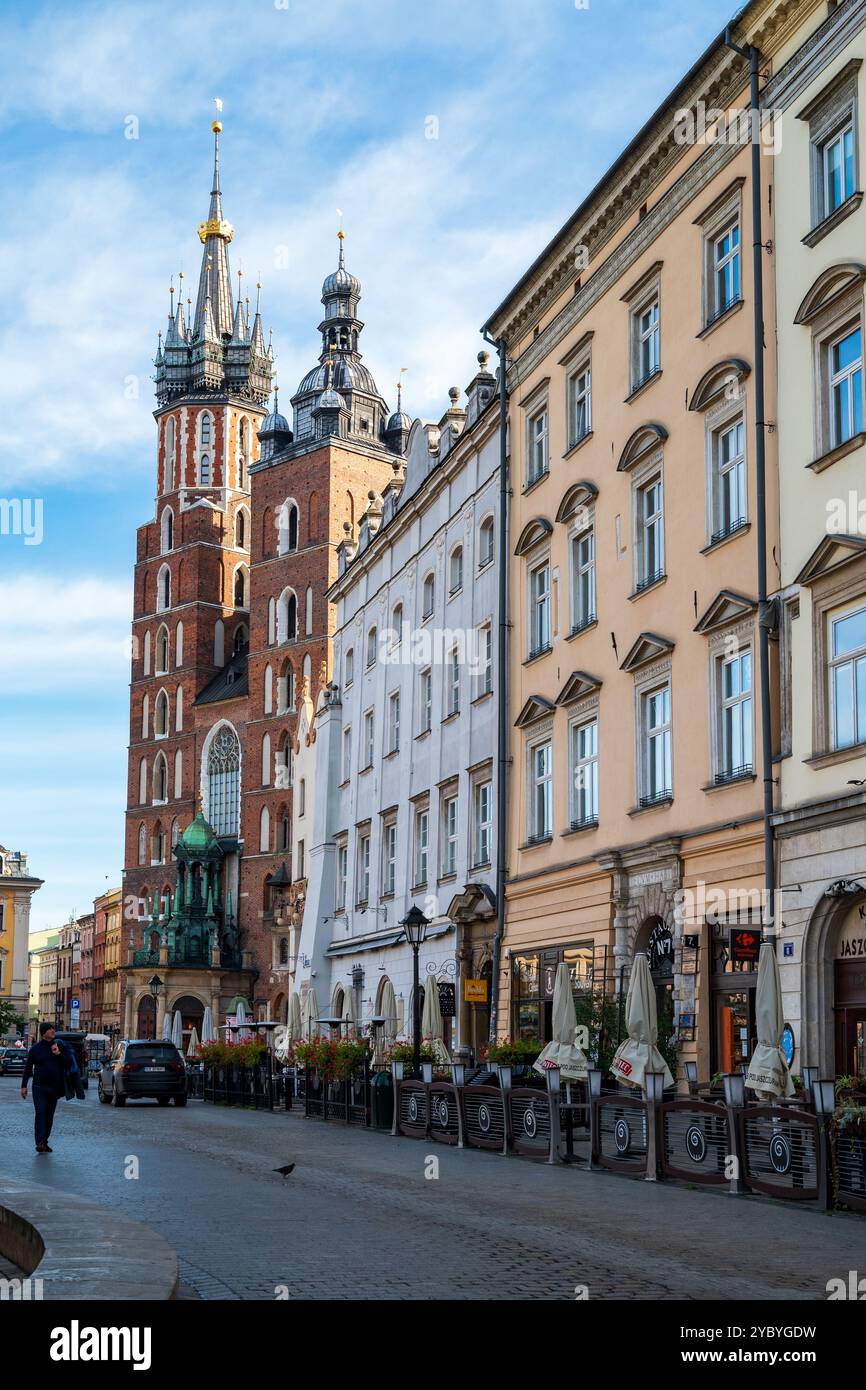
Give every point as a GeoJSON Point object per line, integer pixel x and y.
{"type": "Point", "coordinates": [160, 1010]}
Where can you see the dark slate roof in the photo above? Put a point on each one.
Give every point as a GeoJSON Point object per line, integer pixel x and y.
{"type": "Point", "coordinates": [231, 683]}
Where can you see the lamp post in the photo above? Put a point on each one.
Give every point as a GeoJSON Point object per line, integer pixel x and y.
{"type": "Point", "coordinates": [154, 984]}
{"type": "Point", "coordinates": [415, 926]}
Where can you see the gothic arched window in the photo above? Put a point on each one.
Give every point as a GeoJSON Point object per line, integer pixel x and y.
{"type": "Point", "coordinates": [204, 471]}
{"type": "Point", "coordinates": [240, 530]}
{"type": "Point", "coordinates": [162, 651]}
{"type": "Point", "coordinates": [223, 781]}
{"type": "Point", "coordinates": [288, 528]}
{"type": "Point", "coordinates": [167, 530]}
{"type": "Point", "coordinates": [205, 429]}
{"type": "Point", "coordinates": [160, 779]}
{"type": "Point", "coordinates": [163, 588]}
{"type": "Point", "coordinates": [240, 594]}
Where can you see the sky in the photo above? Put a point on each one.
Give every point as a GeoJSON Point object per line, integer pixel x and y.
{"type": "Point", "coordinates": [455, 137]}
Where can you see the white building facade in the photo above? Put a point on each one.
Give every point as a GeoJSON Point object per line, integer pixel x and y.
{"type": "Point", "coordinates": [401, 753]}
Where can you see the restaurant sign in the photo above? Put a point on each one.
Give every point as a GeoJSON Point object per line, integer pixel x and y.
{"type": "Point", "coordinates": [475, 991]}
{"type": "Point", "coordinates": [447, 1001]}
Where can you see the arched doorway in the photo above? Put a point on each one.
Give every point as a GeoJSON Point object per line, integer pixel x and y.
{"type": "Point", "coordinates": [656, 939]}
{"type": "Point", "coordinates": [145, 1023]}
{"type": "Point", "coordinates": [848, 944]}
{"type": "Point", "coordinates": [191, 1011]}
{"type": "Point", "coordinates": [281, 1009]}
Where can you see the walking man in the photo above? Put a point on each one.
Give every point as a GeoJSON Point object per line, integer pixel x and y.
{"type": "Point", "coordinates": [48, 1061]}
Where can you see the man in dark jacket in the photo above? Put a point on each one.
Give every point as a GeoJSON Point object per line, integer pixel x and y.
{"type": "Point", "coordinates": [48, 1062]}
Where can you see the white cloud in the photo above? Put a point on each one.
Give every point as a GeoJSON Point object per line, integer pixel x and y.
{"type": "Point", "coordinates": [63, 635]}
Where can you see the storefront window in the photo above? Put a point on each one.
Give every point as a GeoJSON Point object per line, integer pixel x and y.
{"type": "Point", "coordinates": [534, 978]}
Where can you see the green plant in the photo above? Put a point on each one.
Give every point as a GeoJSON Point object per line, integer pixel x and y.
{"type": "Point", "coordinates": [405, 1052]}
{"type": "Point", "coordinates": [512, 1052]}
{"type": "Point", "coordinates": [598, 1014]}
{"type": "Point", "coordinates": [243, 1054]}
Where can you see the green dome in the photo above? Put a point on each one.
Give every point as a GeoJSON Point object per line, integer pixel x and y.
{"type": "Point", "coordinates": [198, 835]}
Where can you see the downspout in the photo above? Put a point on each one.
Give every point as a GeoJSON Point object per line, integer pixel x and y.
{"type": "Point", "coordinates": [766, 614]}
{"type": "Point", "coordinates": [502, 690]}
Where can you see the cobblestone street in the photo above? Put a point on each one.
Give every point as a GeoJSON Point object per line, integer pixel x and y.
{"type": "Point", "coordinates": [359, 1219]}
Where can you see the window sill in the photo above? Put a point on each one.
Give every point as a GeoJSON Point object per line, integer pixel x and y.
{"type": "Point", "coordinates": [392, 753]}
{"type": "Point", "coordinates": [578, 443]}
{"type": "Point", "coordinates": [425, 733]}
{"type": "Point", "coordinates": [836, 755]}
{"type": "Point", "coordinates": [827, 224]}
{"type": "Point", "coordinates": [419, 887]}
{"type": "Point", "coordinates": [362, 903]}
{"type": "Point", "coordinates": [737, 781]}
{"type": "Point", "coordinates": [455, 593]}
{"type": "Point", "coordinates": [641, 386]}
{"type": "Point", "coordinates": [485, 695]}
{"type": "Point", "coordinates": [720, 318]}
{"type": "Point", "coordinates": [532, 483]}
{"type": "Point", "coordinates": [363, 770]}
{"type": "Point", "coordinates": [345, 783]}
{"type": "Point", "coordinates": [728, 536]}
{"type": "Point", "coordinates": [580, 827]}
{"type": "Point", "coordinates": [647, 588]}
{"type": "Point", "coordinates": [485, 565]}
{"type": "Point", "coordinates": [483, 864]}
{"type": "Point", "coordinates": [538, 654]}
{"type": "Point", "coordinates": [450, 877]}
{"type": "Point", "coordinates": [449, 718]}
{"type": "Point", "coordinates": [841, 451]}
{"type": "Point", "coordinates": [662, 804]}
{"type": "Point", "coordinates": [579, 628]}
{"type": "Point", "coordinates": [535, 841]}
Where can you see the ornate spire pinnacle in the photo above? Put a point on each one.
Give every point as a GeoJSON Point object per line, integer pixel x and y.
{"type": "Point", "coordinates": [215, 235]}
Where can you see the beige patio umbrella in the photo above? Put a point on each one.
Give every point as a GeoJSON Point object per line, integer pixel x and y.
{"type": "Point", "coordinates": [349, 1018]}
{"type": "Point", "coordinates": [311, 1015]}
{"type": "Point", "coordinates": [431, 1022]}
{"type": "Point", "coordinates": [639, 1054]}
{"type": "Point", "coordinates": [193, 1043]}
{"type": "Point", "coordinates": [562, 1050]}
{"type": "Point", "coordinates": [767, 1072]}
{"type": "Point", "coordinates": [207, 1029]}
{"type": "Point", "coordinates": [294, 1027]}
{"type": "Point", "coordinates": [388, 1031]}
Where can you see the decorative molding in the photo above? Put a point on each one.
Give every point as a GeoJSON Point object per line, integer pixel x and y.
{"type": "Point", "coordinates": [581, 494]}
{"type": "Point", "coordinates": [829, 287]}
{"type": "Point", "coordinates": [643, 441]}
{"type": "Point", "coordinates": [647, 647]}
{"type": "Point", "coordinates": [831, 553]}
{"type": "Point", "coordinates": [578, 685]}
{"type": "Point", "coordinates": [535, 531]}
{"type": "Point", "coordinates": [726, 608]}
{"type": "Point", "coordinates": [714, 382]}
{"type": "Point", "coordinates": [536, 707]}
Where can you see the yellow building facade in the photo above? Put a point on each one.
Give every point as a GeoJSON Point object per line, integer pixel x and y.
{"type": "Point", "coordinates": [17, 887]}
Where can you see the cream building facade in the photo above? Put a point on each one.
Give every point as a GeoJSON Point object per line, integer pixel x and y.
{"type": "Point", "coordinates": [17, 886]}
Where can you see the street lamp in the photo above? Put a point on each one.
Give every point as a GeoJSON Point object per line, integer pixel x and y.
{"type": "Point", "coordinates": [154, 984]}
{"type": "Point", "coordinates": [415, 926]}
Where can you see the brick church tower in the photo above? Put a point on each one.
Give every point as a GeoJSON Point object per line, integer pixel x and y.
{"type": "Point", "coordinates": [232, 639]}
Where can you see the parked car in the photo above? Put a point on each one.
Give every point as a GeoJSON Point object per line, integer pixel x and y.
{"type": "Point", "coordinates": [13, 1061]}
{"type": "Point", "coordinates": [139, 1070]}
{"type": "Point", "coordinates": [75, 1041]}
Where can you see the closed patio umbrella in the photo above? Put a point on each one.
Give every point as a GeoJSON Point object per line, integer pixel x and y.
{"type": "Point", "coordinates": [193, 1043]}
{"type": "Point", "coordinates": [166, 1027]}
{"type": "Point", "coordinates": [311, 1015]}
{"type": "Point", "coordinates": [207, 1029]}
{"type": "Point", "coordinates": [639, 1053]}
{"type": "Point", "coordinates": [431, 1021]}
{"type": "Point", "coordinates": [294, 1027]}
{"type": "Point", "coordinates": [562, 1050]}
{"type": "Point", "coordinates": [177, 1031]}
{"type": "Point", "coordinates": [240, 1019]}
{"type": "Point", "coordinates": [767, 1072]}
{"type": "Point", "coordinates": [349, 1013]}
{"type": "Point", "coordinates": [389, 1013]}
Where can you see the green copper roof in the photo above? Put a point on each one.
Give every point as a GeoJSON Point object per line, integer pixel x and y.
{"type": "Point", "coordinates": [198, 835]}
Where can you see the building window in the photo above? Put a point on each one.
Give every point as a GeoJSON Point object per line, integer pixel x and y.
{"type": "Point", "coordinates": [453, 676]}
{"type": "Point", "coordinates": [428, 597]}
{"type": "Point", "coordinates": [729, 480]}
{"type": "Point", "coordinates": [483, 824]}
{"type": "Point", "coordinates": [223, 780]}
{"type": "Point", "coordinates": [389, 857]}
{"type": "Point", "coordinates": [287, 528]}
{"type": "Point", "coordinates": [349, 668]}
{"type": "Point", "coordinates": [539, 609]}
{"type": "Point", "coordinates": [394, 722]}
{"type": "Point", "coordinates": [584, 774]}
{"type": "Point", "coordinates": [450, 830]}
{"type": "Point", "coordinates": [422, 841]}
{"type": "Point", "coordinates": [646, 343]}
{"type": "Point", "coordinates": [485, 659]}
{"type": "Point", "coordinates": [845, 362]}
{"type": "Point", "coordinates": [485, 543]}
{"type": "Point", "coordinates": [205, 430]}
{"type": "Point", "coordinates": [455, 571]}
{"type": "Point", "coordinates": [656, 775]}
{"type": "Point", "coordinates": [536, 465]}
{"type": "Point", "coordinates": [540, 792]}
{"type": "Point", "coordinates": [371, 648]}
{"type": "Point", "coordinates": [347, 753]}
{"type": "Point", "coordinates": [300, 866]}
{"type": "Point", "coordinates": [650, 556]}
{"type": "Point", "coordinates": [582, 580]}
{"type": "Point", "coordinates": [734, 694]}
{"type": "Point", "coordinates": [364, 868]}
{"type": "Point", "coordinates": [161, 651]}
{"type": "Point", "coordinates": [426, 701]}
{"type": "Point", "coordinates": [204, 471]}
{"type": "Point", "coordinates": [725, 270]}
{"type": "Point", "coordinates": [396, 634]}
{"type": "Point", "coordinates": [848, 678]}
{"type": "Point", "coordinates": [838, 180]}
{"type": "Point", "coordinates": [342, 869]}
{"type": "Point", "coordinates": [163, 589]}
{"type": "Point", "coordinates": [579, 405]}
{"type": "Point", "coordinates": [369, 739]}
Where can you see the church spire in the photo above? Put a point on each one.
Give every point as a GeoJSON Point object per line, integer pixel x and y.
{"type": "Point", "coordinates": [215, 235]}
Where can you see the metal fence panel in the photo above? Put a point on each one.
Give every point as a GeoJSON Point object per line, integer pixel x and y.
{"type": "Point", "coordinates": [621, 1128]}
{"type": "Point", "coordinates": [781, 1151]}
{"type": "Point", "coordinates": [695, 1141]}
{"type": "Point", "coordinates": [529, 1126]}
{"type": "Point", "coordinates": [484, 1117]}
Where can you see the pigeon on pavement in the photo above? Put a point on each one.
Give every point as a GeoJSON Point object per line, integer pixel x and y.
{"type": "Point", "coordinates": [285, 1170]}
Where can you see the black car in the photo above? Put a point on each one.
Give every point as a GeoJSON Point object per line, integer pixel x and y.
{"type": "Point", "coordinates": [13, 1060]}
{"type": "Point", "coordinates": [75, 1042]}
{"type": "Point", "coordinates": [138, 1070]}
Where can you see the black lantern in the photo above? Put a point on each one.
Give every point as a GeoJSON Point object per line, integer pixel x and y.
{"type": "Point", "coordinates": [415, 926]}
{"type": "Point", "coordinates": [154, 984]}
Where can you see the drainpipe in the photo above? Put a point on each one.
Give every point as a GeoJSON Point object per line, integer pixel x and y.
{"type": "Point", "coordinates": [766, 613]}
{"type": "Point", "coordinates": [502, 689]}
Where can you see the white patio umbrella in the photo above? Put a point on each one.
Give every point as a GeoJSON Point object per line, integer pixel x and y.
{"type": "Point", "coordinates": [349, 1013]}
{"type": "Point", "coordinates": [767, 1072]}
{"type": "Point", "coordinates": [294, 1027]}
{"type": "Point", "coordinates": [240, 1019]}
{"type": "Point", "coordinates": [388, 1031]}
{"type": "Point", "coordinates": [166, 1028]}
{"type": "Point", "coordinates": [311, 1015]}
{"type": "Point", "coordinates": [431, 1021]}
{"type": "Point", "coordinates": [207, 1028]}
{"type": "Point", "coordinates": [562, 1050]}
{"type": "Point", "coordinates": [639, 1053]}
{"type": "Point", "coordinates": [193, 1043]}
{"type": "Point", "coordinates": [177, 1030]}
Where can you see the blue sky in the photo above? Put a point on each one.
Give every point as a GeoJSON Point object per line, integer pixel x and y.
{"type": "Point", "coordinates": [326, 106]}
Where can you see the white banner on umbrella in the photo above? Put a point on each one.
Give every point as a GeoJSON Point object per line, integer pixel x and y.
{"type": "Point", "coordinates": [768, 1073]}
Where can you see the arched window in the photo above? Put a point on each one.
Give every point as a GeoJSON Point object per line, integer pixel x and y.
{"type": "Point", "coordinates": [349, 667]}
{"type": "Point", "coordinates": [160, 715]}
{"type": "Point", "coordinates": [219, 642]}
{"type": "Point", "coordinates": [485, 542]}
{"type": "Point", "coordinates": [240, 594]}
{"type": "Point", "coordinates": [204, 430]}
{"type": "Point", "coordinates": [371, 647]}
{"type": "Point", "coordinates": [428, 595]}
{"type": "Point", "coordinates": [284, 950]}
{"type": "Point", "coordinates": [168, 475]}
{"type": "Point", "coordinates": [307, 674]}
{"type": "Point", "coordinates": [265, 830]}
{"type": "Point", "coordinates": [163, 589]}
{"type": "Point", "coordinates": [157, 844]}
{"type": "Point", "coordinates": [178, 776]}
{"type": "Point", "coordinates": [178, 645]}
{"type": "Point", "coordinates": [396, 635]}
{"type": "Point", "coordinates": [284, 763]}
{"type": "Point", "coordinates": [146, 658]}
{"type": "Point", "coordinates": [272, 621]}
{"type": "Point", "coordinates": [204, 470]}
{"type": "Point", "coordinates": [241, 638]}
{"type": "Point", "coordinates": [267, 533]}
{"type": "Point", "coordinates": [175, 832]}
{"type": "Point", "coordinates": [284, 829]}
{"type": "Point", "coordinates": [287, 617]}
{"type": "Point", "coordinates": [167, 530]}
{"type": "Point", "coordinates": [266, 760]}
{"type": "Point", "coordinates": [241, 530]}
{"type": "Point", "coordinates": [160, 779]}
{"type": "Point", "coordinates": [243, 451]}
{"type": "Point", "coordinates": [223, 781]}
{"type": "Point", "coordinates": [308, 616]}
{"type": "Point", "coordinates": [288, 528]}
{"type": "Point", "coordinates": [142, 782]}
{"type": "Point", "coordinates": [302, 796]}
{"type": "Point", "coordinates": [455, 570]}
{"type": "Point", "coordinates": [269, 690]}
{"type": "Point", "coordinates": [286, 689]}
{"type": "Point", "coordinates": [145, 715]}
{"type": "Point", "coordinates": [162, 650]}
{"type": "Point", "coordinates": [142, 845]}
{"type": "Point", "coordinates": [178, 709]}
{"type": "Point", "coordinates": [313, 517]}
